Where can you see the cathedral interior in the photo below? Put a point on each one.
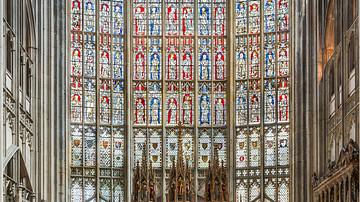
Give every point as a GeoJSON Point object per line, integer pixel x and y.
{"type": "Point", "coordinates": [179, 100]}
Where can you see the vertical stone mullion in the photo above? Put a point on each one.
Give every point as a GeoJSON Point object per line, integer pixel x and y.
{"type": "Point", "coordinates": [128, 103]}
{"type": "Point", "coordinates": [230, 91]}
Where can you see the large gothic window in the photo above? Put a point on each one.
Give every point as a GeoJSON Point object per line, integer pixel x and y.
{"type": "Point", "coordinates": [97, 100]}
{"type": "Point", "coordinates": [148, 72]}
{"type": "Point", "coordinates": [262, 100]}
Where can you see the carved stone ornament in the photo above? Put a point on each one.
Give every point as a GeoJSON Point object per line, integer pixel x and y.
{"type": "Point", "coordinates": [344, 171]}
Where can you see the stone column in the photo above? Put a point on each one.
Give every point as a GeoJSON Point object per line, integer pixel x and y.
{"type": "Point", "coordinates": [2, 79]}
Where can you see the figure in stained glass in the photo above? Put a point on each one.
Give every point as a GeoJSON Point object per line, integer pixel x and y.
{"type": "Point", "coordinates": [118, 20]}
{"type": "Point", "coordinates": [172, 60]}
{"type": "Point", "coordinates": [283, 101]}
{"type": "Point", "coordinates": [90, 16]}
{"type": "Point", "coordinates": [269, 64]}
{"type": "Point", "coordinates": [283, 59]}
{"type": "Point", "coordinates": [105, 69]}
{"type": "Point", "coordinates": [283, 15]}
{"type": "Point", "coordinates": [187, 109]}
{"type": "Point", "coordinates": [254, 17]}
{"type": "Point", "coordinates": [254, 69]}
{"type": "Point", "coordinates": [204, 109]}
{"type": "Point", "coordinates": [241, 17]}
{"type": "Point", "coordinates": [140, 111]}
{"type": "Point", "coordinates": [219, 111]}
{"type": "Point", "coordinates": [140, 66]}
{"type": "Point", "coordinates": [155, 111]}
{"type": "Point", "coordinates": [172, 20]}
{"type": "Point", "coordinates": [140, 23]}
{"type": "Point", "coordinates": [219, 66]}
{"type": "Point", "coordinates": [187, 20]}
{"type": "Point", "coordinates": [118, 64]}
{"type": "Point", "coordinates": [204, 67]}
{"type": "Point", "coordinates": [241, 64]}
{"type": "Point", "coordinates": [90, 60]}
{"type": "Point", "coordinates": [76, 58]}
{"type": "Point", "coordinates": [105, 18]}
{"type": "Point", "coordinates": [155, 66]}
{"type": "Point", "coordinates": [76, 15]}
{"type": "Point", "coordinates": [187, 66]}
{"type": "Point", "coordinates": [155, 17]}
{"type": "Point", "coordinates": [204, 17]}
{"type": "Point", "coordinates": [172, 111]}
{"type": "Point", "coordinates": [269, 16]}
{"type": "Point", "coordinates": [105, 112]}
{"type": "Point", "coordinates": [219, 20]}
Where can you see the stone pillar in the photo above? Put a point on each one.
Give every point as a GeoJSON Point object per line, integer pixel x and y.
{"type": "Point", "coordinates": [2, 79]}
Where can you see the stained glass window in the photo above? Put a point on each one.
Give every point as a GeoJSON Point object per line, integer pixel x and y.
{"type": "Point", "coordinates": [169, 90]}
{"type": "Point", "coordinates": [97, 100]}
{"type": "Point", "coordinates": [170, 78]}
{"type": "Point", "coordinates": [262, 100]}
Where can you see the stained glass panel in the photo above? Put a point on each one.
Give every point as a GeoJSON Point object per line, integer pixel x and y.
{"type": "Point", "coordinates": [254, 102]}
{"type": "Point", "coordinates": [241, 148]}
{"type": "Point", "coordinates": [155, 147]}
{"type": "Point", "coordinates": [283, 54]}
{"type": "Point", "coordinates": [89, 15]}
{"type": "Point", "coordinates": [254, 16]}
{"type": "Point", "coordinates": [172, 103]}
{"type": "Point", "coordinates": [204, 56]}
{"type": "Point", "coordinates": [139, 144]}
{"type": "Point", "coordinates": [187, 59]}
{"type": "Point", "coordinates": [270, 188]}
{"type": "Point", "coordinates": [155, 106]}
{"type": "Point", "coordinates": [241, 58]}
{"type": "Point", "coordinates": [269, 16]}
{"type": "Point", "coordinates": [242, 190]}
{"type": "Point", "coordinates": [283, 100]}
{"type": "Point", "coordinates": [187, 17]}
{"type": "Point", "coordinates": [105, 147]}
{"type": "Point", "coordinates": [187, 105]}
{"type": "Point", "coordinates": [219, 104]}
{"type": "Point", "coordinates": [140, 103]}
{"type": "Point", "coordinates": [155, 59]}
{"type": "Point", "coordinates": [76, 189]}
{"type": "Point", "coordinates": [139, 12]}
{"type": "Point", "coordinates": [76, 145]}
{"type": "Point", "coordinates": [283, 15]}
{"type": "Point", "coordinates": [219, 60]}
{"type": "Point", "coordinates": [270, 146]}
{"type": "Point", "coordinates": [76, 15]}
{"type": "Point", "coordinates": [204, 148]}
{"type": "Point", "coordinates": [269, 54]}
{"type": "Point", "coordinates": [241, 103]}
{"type": "Point", "coordinates": [254, 147]}
{"type": "Point", "coordinates": [205, 13]}
{"type": "Point", "coordinates": [104, 12]}
{"type": "Point", "coordinates": [118, 147]}
{"type": "Point", "coordinates": [254, 189]}
{"type": "Point", "coordinates": [283, 145]}
{"type": "Point", "coordinates": [118, 17]}
{"type": "Point", "coordinates": [283, 189]}
{"type": "Point", "coordinates": [205, 103]}
{"type": "Point", "coordinates": [254, 63]}
{"type": "Point", "coordinates": [219, 142]}
{"type": "Point", "coordinates": [89, 189]}
{"type": "Point", "coordinates": [172, 17]}
{"type": "Point", "coordinates": [97, 99]}
{"type": "Point", "coordinates": [262, 97]}
{"type": "Point", "coordinates": [171, 146]}
{"type": "Point", "coordinates": [270, 97]}
{"type": "Point", "coordinates": [172, 59]}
